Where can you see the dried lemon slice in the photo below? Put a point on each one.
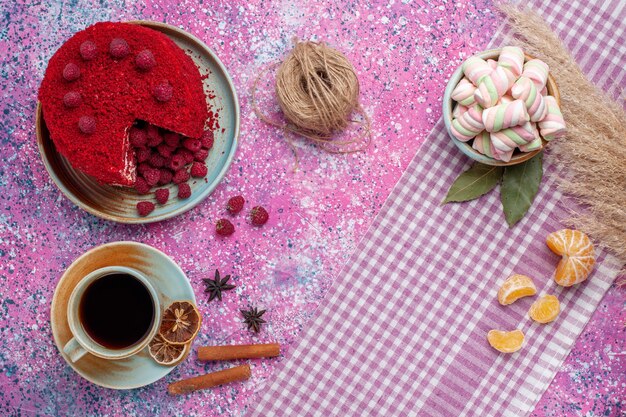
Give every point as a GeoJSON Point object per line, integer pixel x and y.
{"type": "Point", "coordinates": [180, 323]}
{"type": "Point", "coordinates": [545, 309]}
{"type": "Point", "coordinates": [515, 287]}
{"type": "Point", "coordinates": [165, 353]}
{"type": "Point", "coordinates": [505, 342]}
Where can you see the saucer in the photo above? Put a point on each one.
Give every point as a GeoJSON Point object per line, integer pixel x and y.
{"type": "Point", "coordinates": [119, 204]}
{"type": "Point", "coordinates": [168, 279]}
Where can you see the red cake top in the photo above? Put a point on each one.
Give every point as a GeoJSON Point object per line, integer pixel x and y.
{"type": "Point", "coordinates": [106, 77]}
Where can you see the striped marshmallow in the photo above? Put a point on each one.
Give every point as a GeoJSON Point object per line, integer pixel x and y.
{"type": "Point", "coordinates": [507, 140]}
{"type": "Point", "coordinates": [505, 115]}
{"type": "Point", "coordinates": [532, 146]}
{"type": "Point", "coordinates": [458, 110]}
{"type": "Point", "coordinates": [553, 125]}
{"type": "Point", "coordinates": [475, 69]}
{"type": "Point", "coordinates": [512, 59]}
{"type": "Point", "coordinates": [525, 89]}
{"type": "Point", "coordinates": [537, 71]}
{"type": "Point", "coordinates": [492, 87]}
{"type": "Point", "coordinates": [468, 125]}
{"type": "Point", "coordinates": [464, 92]}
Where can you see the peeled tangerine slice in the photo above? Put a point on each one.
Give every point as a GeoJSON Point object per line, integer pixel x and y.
{"type": "Point", "coordinates": [506, 342]}
{"type": "Point", "coordinates": [515, 287]}
{"type": "Point", "coordinates": [578, 256]}
{"type": "Point", "coordinates": [545, 309]}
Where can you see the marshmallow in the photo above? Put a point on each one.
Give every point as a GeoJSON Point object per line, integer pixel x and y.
{"type": "Point", "coordinates": [492, 87]}
{"type": "Point", "coordinates": [537, 71]}
{"type": "Point", "coordinates": [492, 63]}
{"type": "Point", "coordinates": [512, 59]}
{"type": "Point", "coordinates": [553, 125]}
{"type": "Point", "coordinates": [525, 89]}
{"type": "Point", "coordinates": [507, 140]}
{"type": "Point", "coordinates": [468, 125]}
{"type": "Point", "coordinates": [459, 109]}
{"type": "Point", "coordinates": [505, 115]}
{"type": "Point", "coordinates": [482, 143]}
{"type": "Point", "coordinates": [532, 146]}
{"type": "Point", "coordinates": [475, 69]}
{"type": "Point", "coordinates": [463, 93]}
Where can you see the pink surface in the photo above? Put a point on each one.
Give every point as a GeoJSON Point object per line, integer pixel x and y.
{"type": "Point", "coordinates": [403, 52]}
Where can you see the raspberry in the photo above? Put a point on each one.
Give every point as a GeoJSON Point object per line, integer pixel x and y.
{"type": "Point", "coordinates": [177, 162]}
{"type": "Point", "coordinates": [207, 139]}
{"type": "Point", "coordinates": [143, 168]}
{"type": "Point", "coordinates": [198, 170]}
{"type": "Point", "coordinates": [224, 228]}
{"type": "Point", "coordinates": [193, 145]}
{"type": "Point", "coordinates": [152, 176]}
{"type": "Point", "coordinates": [118, 48]}
{"type": "Point", "coordinates": [172, 139]}
{"type": "Point", "coordinates": [156, 160]}
{"type": "Point", "coordinates": [87, 124]}
{"type": "Point", "coordinates": [166, 177]}
{"type": "Point", "coordinates": [259, 216]}
{"type": "Point", "coordinates": [71, 72]}
{"type": "Point", "coordinates": [88, 50]}
{"type": "Point", "coordinates": [141, 186]}
{"type": "Point", "coordinates": [72, 99]}
{"type": "Point", "coordinates": [235, 204]}
{"type": "Point", "coordinates": [184, 190]}
{"type": "Point", "coordinates": [143, 155]}
{"type": "Point", "coordinates": [165, 150]}
{"type": "Point", "coordinates": [138, 137]}
{"type": "Point", "coordinates": [145, 207]}
{"type": "Point", "coordinates": [154, 137]}
{"type": "Point", "coordinates": [201, 155]}
{"type": "Point", "coordinates": [162, 195]}
{"type": "Point", "coordinates": [180, 176]}
{"type": "Point", "coordinates": [145, 60]}
{"type": "Point", "coordinates": [186, 154]}
{"type": "Point", "coordinates": [163, 92]}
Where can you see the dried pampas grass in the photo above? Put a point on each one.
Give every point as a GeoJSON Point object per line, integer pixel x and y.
{"type": "Point", "coordinates": [593, 154]}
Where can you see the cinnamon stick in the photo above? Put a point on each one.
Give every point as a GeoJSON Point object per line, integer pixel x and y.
{"type": "Point", "coordinates": [229, 352]}
{"type": "Point", "coordinates": [238, 373]}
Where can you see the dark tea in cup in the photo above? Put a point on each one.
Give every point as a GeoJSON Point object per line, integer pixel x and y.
{"type": "Point", "coordinates": [117, 311]}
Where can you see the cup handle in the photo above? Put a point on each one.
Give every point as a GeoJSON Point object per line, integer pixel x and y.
{"type": "Point", "coordinates": [74, 350]}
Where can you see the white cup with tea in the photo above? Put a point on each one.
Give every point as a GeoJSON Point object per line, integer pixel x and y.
{"type": "Point", "coordinates": [113, 313]}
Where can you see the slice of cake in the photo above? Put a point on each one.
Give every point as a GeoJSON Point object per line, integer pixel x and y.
{"type": "Point", "coordinates": [106, 77]}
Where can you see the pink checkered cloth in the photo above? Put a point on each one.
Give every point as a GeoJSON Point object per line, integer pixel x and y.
{"type": "Point", "coordinates": [403, 332]}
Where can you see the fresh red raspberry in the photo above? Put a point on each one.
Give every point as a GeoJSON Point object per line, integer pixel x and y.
{"type": "Point", "coordinates": [166, 177]}
{"type": "Point", "coordinates": [87, 124]}
{"type": "Point", "coordinates": [118, 48]}
{"type": "Point", "coordinates": [193, 145]}
{"type": "Point", "coordinates": [172, 139]}
{"type": "Point", "coordinates": [186, 154]}
{"type": "Point", "coordinates": [201, 155]}
{"type": "Point", "coordinates": [162, 194]}
{"type": "Point", "coordinates": [163, 92]}
{"type": "Point", "coordinates": [72, 99]}
{"type": "Point", "coordinates": [156, 160]}
{"type": "Point", "coordinates": [144, 208]}
{"type": "Point", "coordinates": [154, 136]}
{"type": "Point", "coordinates": [184, 190]}
{"type": "Point", "coordinates": [177, 162]}
{"type": "Point", "coordinates": [258, 216]}
{"type": "Point", "coordinates": [141, 186]}
{"type": "Point", "coordinates": [71, 72]}
{"type": "Point", "coordinates": [165, 150]}
{"type": "Point", "coordinates": [143, 168]}
{"type": "Point", "coordinates": [152, 176]}
{"type": "Point", "coordinates": [88, 50]}
{"type": "Point", "coordinates": [180, 176]}
{"type": "Point", "coordinates": [224, 228]}
{"type": "Point", "coordinates": [235, 204]}
{"type": "Point", "coordinates": [145, 60]}
{"type": "Point", "coordinates": [143, 154]}
{"type": "Point", "coordinates": [198, 170]}
{"type": "Point", "coordinates": [138, 137]}
{"type": "Point", "coordinates": [207, 139]}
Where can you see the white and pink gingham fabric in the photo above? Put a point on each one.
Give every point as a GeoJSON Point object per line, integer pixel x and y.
{"type": "Point", "coordinates": [403, 331]}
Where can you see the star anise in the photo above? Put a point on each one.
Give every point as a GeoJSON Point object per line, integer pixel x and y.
{"type": "Point", "coordinates": [217, 285]}
{"type": "Point", "coordinates": [253, 318]}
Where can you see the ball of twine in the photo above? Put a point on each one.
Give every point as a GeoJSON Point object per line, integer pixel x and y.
{"type": "Point", "coordinates": [317, 90]}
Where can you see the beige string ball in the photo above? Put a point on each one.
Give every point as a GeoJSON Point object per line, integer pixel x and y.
{"type": "Point", "coordinates": [317, 89]}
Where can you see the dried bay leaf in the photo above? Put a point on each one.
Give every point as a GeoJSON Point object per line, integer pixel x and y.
{"type": "Point", "coordinates": [478, 180]}
{"type": "Point", "coordinates": [520, 184]}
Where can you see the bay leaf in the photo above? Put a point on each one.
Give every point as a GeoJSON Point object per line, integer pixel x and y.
{"type": "Point", "coordinates": [520, 184]}
{"type": "Point", "coordinates": [478, 180]}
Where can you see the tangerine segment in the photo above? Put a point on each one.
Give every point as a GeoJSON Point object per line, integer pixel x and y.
{"type": "Point", "coordinates": [180, 323]}
{"type": "Point", "coordinates": [505, 342]}
{"type": "Point", "coordinates": [515, 287]}
{"type": "Point", "coordinates": [578, 256]}
{"type": "Point", "coordinates": [545, 309]}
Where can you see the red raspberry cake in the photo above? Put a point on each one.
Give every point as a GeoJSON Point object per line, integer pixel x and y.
{"type": "Point", "coordinates": [106, 77]}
